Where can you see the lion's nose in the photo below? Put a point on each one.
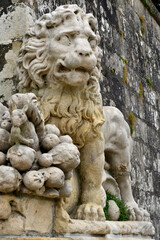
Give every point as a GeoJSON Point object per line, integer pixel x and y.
{"type": "Point", "coordinates": [84, 52]}
{"type": "Point", "coordinates": [83, 48]}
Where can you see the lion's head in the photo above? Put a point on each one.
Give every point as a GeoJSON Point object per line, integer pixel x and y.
{"type": "Point", "coordinates": [60, 62]}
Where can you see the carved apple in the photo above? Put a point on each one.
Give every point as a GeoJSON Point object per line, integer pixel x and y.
{"type": "Point", "coordinates": [21, 157]}
{"type": "Point", "coordinates": [33, 180]}
{"type": "Point", "coordinates": [10, 179]}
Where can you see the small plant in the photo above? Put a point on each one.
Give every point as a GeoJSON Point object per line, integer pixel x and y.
{"type": "Point", "coordinates": [112, 70]}
{"type": "Point", "coordinates": [132, 121]}
{"type": "Point", "coordinates": [103, 73]}
{"type": "Point", "coordinates": [143, 24]}
{"type": "Point", "coordinates": [148, 6]}
{"type": "Point", "coordinates": [124, 214]}
{"type": "Point", "coordinates": [141, 36]}
{"type": "Point", "coordinates": [121, 33]}
{"type": "Point", "coordinates": [124, 60]}
{"type": "Point", "coordinates": [125, 74]}
{"type": "Point", "coordinates": [149, 82]}
{"type": "Point", "coordinates": [140, 90]}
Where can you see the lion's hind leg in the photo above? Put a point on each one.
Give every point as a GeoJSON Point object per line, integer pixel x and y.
{"type": "Point", "coordinates": [118, 149]}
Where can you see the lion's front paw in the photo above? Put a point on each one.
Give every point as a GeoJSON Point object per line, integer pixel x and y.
{"type": "Point", "coordinates": [137, 214]}
{"type": "Point", "coordinates": [91, 212]}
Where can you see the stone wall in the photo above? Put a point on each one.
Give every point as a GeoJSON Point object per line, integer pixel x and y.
{"type": "Point", "coordinates": [130, 80]}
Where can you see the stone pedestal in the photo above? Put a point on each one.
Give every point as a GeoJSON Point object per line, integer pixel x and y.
{"type": "Point", "coordinates": [22, 215]}
{"type": "Point", "coordinates": [35, 217]}
{"type": "Point", "coordinates": [86, 237]}
{"type": "Point", "coordinates": [93, 230]}
{"type": "Point", "coordinates": [108, 237]}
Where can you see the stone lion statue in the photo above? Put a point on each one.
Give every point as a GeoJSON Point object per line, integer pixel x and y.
{"type": "Point", "coordinates": [60, 62]}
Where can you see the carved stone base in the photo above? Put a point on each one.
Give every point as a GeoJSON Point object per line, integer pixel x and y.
{"type": "Point", "coordinates": [85, 237]}
{"type": "Point", "coordinates": [20, 215]}
{"type": "Point", "coordinates": [25, 215]}
{"type": "Point", "coordinates": [108, 237]}
{"type": "Point", "coordinates": [103, 228]}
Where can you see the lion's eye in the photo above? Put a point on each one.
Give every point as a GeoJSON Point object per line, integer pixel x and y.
{"type": "Point", "coordinates": [64, 40]}
{"type": "Point", "coordinates": [93, 43]}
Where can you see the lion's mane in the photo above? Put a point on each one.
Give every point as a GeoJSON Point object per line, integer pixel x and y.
{"type": "Point", "coordinates": [79, 110]}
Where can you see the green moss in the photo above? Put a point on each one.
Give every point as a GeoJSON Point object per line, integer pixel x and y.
{"type": "Point", "coordinates": [132, 121]}
{"type": "Point", "coordinates": [141, 19]}
{"type": "Point", "coordinates": [141, 36]}
{"type": "Point", "coordinates": [143, 30]}
{"type": "Point", "coordinates": [124, 60]}
{"type": "Point", "coordinates": [148, 6]}
{"type": "Point", "coordinates": [112, 70]}
{"type": "Point", "coordinates": [121, 33]}
{"type": "Point", "coordinates": [149, 82]}
{"type": "Point", "coordinates": [124, 214]}
{"type": "Point", "coordinates": [151, 11]}
{"type": "Point", "coordinates": [125, 74]}
{"type": "Point", "coordinates": [103, 73]}
{"type": "Point", "coordinates": [140, 90]}
{"type": "Point", "coordinates": [143, 24]}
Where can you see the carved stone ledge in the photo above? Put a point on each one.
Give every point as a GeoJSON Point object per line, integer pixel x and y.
{"type": "Point", "coordinates": [85, 237]}
{"type": "Point", "coordinates": [131, 237]}
{"type": "Point", "coordinates": [107, 227]}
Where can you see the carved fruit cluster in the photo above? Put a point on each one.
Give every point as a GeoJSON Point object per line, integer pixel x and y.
{"type": "Point", "coordinates": [33, 163]}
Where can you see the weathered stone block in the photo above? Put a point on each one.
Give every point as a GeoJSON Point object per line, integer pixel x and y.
{"type": "Point", "coordinates": [15, 23]}
{"type": "Point", "coordinates": [84, 237]}
{"type": "Point", "coordinates": [27, 215]}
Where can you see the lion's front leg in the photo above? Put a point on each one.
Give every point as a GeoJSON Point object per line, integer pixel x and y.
{"type": "Point", "coordinates": [91, 170]}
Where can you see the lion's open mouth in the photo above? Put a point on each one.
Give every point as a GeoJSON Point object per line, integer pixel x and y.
{"type": "Point", "coordinates": [62, 69]}
{"type": "Point", "coordinates": [74, 76]}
